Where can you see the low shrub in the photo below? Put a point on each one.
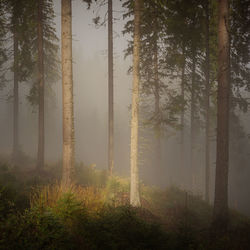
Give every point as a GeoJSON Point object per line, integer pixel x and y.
{"type": "Point", "coordinates": [116, 191]}
{"type": "Point", "coordinates": [48, 196]}
{"type": "Point", "coordinates": [34, 230]}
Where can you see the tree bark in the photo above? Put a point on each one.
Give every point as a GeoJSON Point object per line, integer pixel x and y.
{"type": "Point", "coordinates": [16, 98]}
{"type": "Point", "coordinates": [207, 143]}
{"type": "Point", "coordinates": [134, 186]}
{"type": "Point", "coordinates": [157, 100]}
{"type": "Point", "coordinates": [220, 211]}
{"type": "Point", "coordinates": [40, 153]}
{"type": "Point", "coordinates": [111, 89]}
{"type": "Point", "coordinates": [192, 125]}
{"type": "Point", "coordinates": [183, 106]}
{"type": "Point", "coordinates": [67, 87]}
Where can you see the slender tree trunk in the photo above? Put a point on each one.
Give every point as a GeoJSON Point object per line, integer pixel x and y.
{"type": "Point", "coordinates": [134, 186]}
{"type": "Point", "coordinates": [67, 86]}
{"type": "Point", "coordinates": [40, 153]}
{"type": "Point", "coordinates": [111, 89]}
{"type": "Point", "coordinates": [220, 212]}
{"type": "Point", "coordinates": [16, 101]}
{"type": "Point", "coordinates": [207, 149]}
{"type": "Point", "coordinates": [192, 125]}
{"type": "Point", "coordinates": [157, 101]}
{"type": "Point", "coordinates": [183, 106]}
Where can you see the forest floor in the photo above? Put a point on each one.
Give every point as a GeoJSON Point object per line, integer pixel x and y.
{"type": "Point", "coordinates": [37, 213]}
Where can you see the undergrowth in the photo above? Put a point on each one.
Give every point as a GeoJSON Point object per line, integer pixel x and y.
{"type": "Point", "coordinates": [36, 212]}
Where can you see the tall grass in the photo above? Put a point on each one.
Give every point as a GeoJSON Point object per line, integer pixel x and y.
{"type": "Point", "coordinates": [91, 198]}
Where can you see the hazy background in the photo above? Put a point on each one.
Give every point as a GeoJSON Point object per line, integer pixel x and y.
{"type": "Point", "coordinates": [91, 114]}
{"type": "Point", "coordinates": [90, 95]}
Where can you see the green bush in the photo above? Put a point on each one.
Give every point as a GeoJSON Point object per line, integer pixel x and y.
{"type": "Point", "coordinates": [117, 191]}
{"type": "Point", "coordinates": [34, 230]}
{"type": "Point", "coordinates": [120, 228]}
{"type": "Point", "coordinates": [68, 225]}
{"type": "Point", "coordinates": [11, 201]}
{"type": "Point", "coordinates": [42, 228]}
{"type": "Point", "coordinates": [6, 202]}
{"type": "Point", "coordinates": [94, 214]}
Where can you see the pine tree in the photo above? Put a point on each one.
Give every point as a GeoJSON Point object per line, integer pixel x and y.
{"type": "Point", "coordinates": [110, 79]}
{"type": "Point", "coordinates": [207, 74]}
{"type": "Point", "coordinates": [110, 88]}
{"type": "Point", "coordinates": [220, 212]}
{"type": "Point", "coordinates": [3, 38]}
{"type": "Point", "coordinates": [151, 73]}
{"type": "Point", "coordinates": [40, 154]}
{"type": "Point", "coordinates": [67, 83]}
{"type": "Point", "coordinates": [22, 60]}
{"type": "Point", "coordinates": [44, 47]}
{"type": "Point", "coordinates": [134, 185]}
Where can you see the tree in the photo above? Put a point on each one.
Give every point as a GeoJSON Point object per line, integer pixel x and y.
{"type": "Point", "coordinates": [15, 89]}
{"type": "Point", "coordinates": [45, 56]}
{"type": "Point", "coordinates": [22, 61]}
{"type": "Point", "coordinates": [156, 93]}
{"type": "Point", "coordinates": [220, 211]}
{"type": "Point", "coordinates": [184, 31]}
{"type": "Point", "coordinates": [207, 73]}
{"type": "Point", "coordinates": [111, 89]}
{"type": "Point", "coordinates": [239, 52]}
{"type": "Point", "coordinates": [40, 153]}
{"type": "Point", "coordinates": [134, 182]}
{"type": "Point", "coordinates": [110, 78]}
{"type": "Point", "coordinates": [196, 19]}
{"type": "Point", "coordinates": [151, 71]}
{"type": "Point", "coordinates": [41, 40]}
{"type": "Point", "coordinates": [38, 55]}
{"type": "Point", "coordinates": [170, 42]}
{"type": "Point", "coordinates": [67, 85]}
{"type": "Point", "coordinates": [3, 32]}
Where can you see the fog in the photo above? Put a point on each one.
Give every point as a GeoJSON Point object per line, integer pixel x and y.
{"type": "Point", "coordinates": [90, 79]}
{"type": "Point", "coordinates": [90, 97]}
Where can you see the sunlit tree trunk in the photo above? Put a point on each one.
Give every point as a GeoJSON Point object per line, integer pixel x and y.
{"type": "Point", "coordinates": [67, 86]}
{"type": "Point", "coordinates": [207, 147]}
{"type": "Point", "coordinates": [220, 212]}
{"type": "Point", "coordinates": [40, 153]}
{"type": "Point", "coordinates": [111, 89]}
{"type": "Point", "coordinates": [134, 185]}
{"type": "Point", "coordinates": [15, 152]}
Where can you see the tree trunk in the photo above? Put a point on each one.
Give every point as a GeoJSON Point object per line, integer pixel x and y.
{"type": "Point", "coordinates": [40, 153]}
{"type": "Point", "coordinates": [134, 186]}
{"type": "Point", "coordinates": [220, 211]}
{"type": "Point", "coordinates": [192, 125]}
{"type": "Point", "coordinates": [183, 107]}
{"type": "Point", "coordinates": [207, 143]}
{"type": "Point", "coordinates": [16, 100]}
{"type": "Point", "coordinates": [111, 89]}
{"type": "Point", "coordinates": [67, 87]}
{"type": "Point", "coordinates": [157, 101]}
